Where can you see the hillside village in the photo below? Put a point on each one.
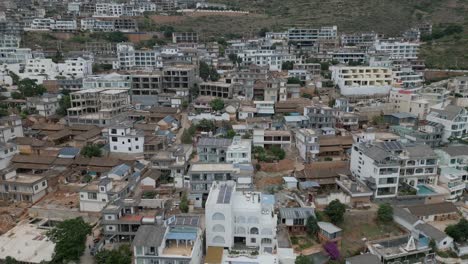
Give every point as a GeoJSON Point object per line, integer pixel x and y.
{"type": "Point", "coordinates": [308, 145]}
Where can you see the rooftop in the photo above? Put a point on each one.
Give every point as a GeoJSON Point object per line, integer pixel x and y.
{"type": "Point", "coordinates": [433, 209]}
{"type": "Point", "coordinates": [296, 213]}
{"type": "Point", "coordinates": [26, 243]}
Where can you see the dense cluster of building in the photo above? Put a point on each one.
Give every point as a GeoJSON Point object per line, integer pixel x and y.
{"type": "Point", "coordinates": [182, 155]}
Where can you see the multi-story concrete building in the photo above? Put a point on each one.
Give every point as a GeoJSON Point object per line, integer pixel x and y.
{"type": "Point", "coordinates": [271, 58]}
{"type": "Point", "coordinates": [358, 39]}
{"type": "Point", "coordinates": [240, 151]}
{"type": "Point", "coordinates": [184, 37]}
{"type": "Point", "coordinates": [307, 144]}
{"type": "Point", "coordinates": [308, 37]}
{"type": "Point", "coordinates": [362, 80]}
{"type": "Point", "coordinates": [320, 116]}
{"type": "Point", "coordinates": [42, 24]}
{"type": "Point", "coordinates": [10, 27]}
{"type": "Point", "coordinates": [212, 150]}
{"type": "Point", "coordinates": [177, 82]}
{"type": "Point", "coordinates": [203, 175]}
{"type": "Point", "coordinates": [453, 118]}
{"type": "Point", "coordinates": [7, 151]}
{"type": "Point", "coordinates": [406, 101]}
{"type": "Point", "coordinates": [45, 105]}
{"type": "Point", "coordinates": [217, 89]}
{"type": "Point", "coordinates": [22, 187]}
{"type": "Point", "coordinates": [377, 167]}
{"type": "Point", "coordinates": [128, 58]}
{"type": "Point", "coordinates": [9, 41]}
{"type": "Point", "coordinates": [65, 25]}
{"type": "Point", "coordinates": [269, 138]}
{"type": "Point", "coordinates": [145, 88]}
{"type": "Point", "coordinates": [240, 219]}
{"type": "Point", "coordinates": [101, 107]}
{"type": "Point", "coordinates": [15, 55]}
{"type": "Point", "coordinates": [125, 139]}
{"type": "Point", "coordinates": [430, 133]}
{"type": "Point", "coordinates": [179, 240]}
{"type": "Point", "coordinates": [398, 49]}
{"type": "Point", "coordinates": [11, 127]}
{"type": "Point", "coordinates": [407, 78]}
{"type": "Point", "coordinates": [107, 81]}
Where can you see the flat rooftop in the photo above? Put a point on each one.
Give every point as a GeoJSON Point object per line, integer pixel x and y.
{"type": "Point", "coordinates": [211, 167]}
{"type": "Point", "coordinates": [26, 243]}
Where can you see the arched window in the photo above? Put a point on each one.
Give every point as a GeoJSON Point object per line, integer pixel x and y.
{"type": "Point", "coordinates": [218, 240]}
{"type": "Point", "coordinates": [218, 228]}
{"type": "Point", "coordinates": [253, 220]}
{"type": "Point", "coordinates": [218, 216]}
{"type": "Point", "coordinates": [267, 231]}
{"type": "Point", "coordinates": [254, 231]}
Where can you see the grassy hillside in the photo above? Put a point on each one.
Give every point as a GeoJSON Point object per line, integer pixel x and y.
{"type": "Point", "coordinates": [389, 17]}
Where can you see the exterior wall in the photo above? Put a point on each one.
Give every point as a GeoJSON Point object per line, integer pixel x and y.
{"type": "Point", "coordinates": [124, 140]}
{"type": "Point", "coordinates": [93, 205]}
{"type": "Point", "coordinates": [362, 80]}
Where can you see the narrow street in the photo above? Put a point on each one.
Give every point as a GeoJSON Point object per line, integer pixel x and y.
{"type": "Point", "coordinates": [185, 124]}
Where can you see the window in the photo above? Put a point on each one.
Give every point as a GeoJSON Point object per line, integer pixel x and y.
{"type": "Point", "coordinates": [136, 139]}
{"type": "Point", "coordinates": [115, 147]}
{"type": "Point", "coordinates": [253, 240]}
{"type": "Point", "coordinates": [43, 184]}
{"type": "Point", "coordinates": [36, 187]}
{"type": "Point", "coordinates": [137, 147]}
{"type": "Point", "coordinates": [129, 149]}
{"type": "Point", "coordinates": [92, 196]}
{"type": "Point", "coordinates": [113, 131]}
{"type": "Point", "coordinates": [102, 188]}
{"type": "Point", "coordinates": [114, 139]}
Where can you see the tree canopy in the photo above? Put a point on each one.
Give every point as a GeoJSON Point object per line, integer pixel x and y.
{"type": "Point", "coordinates": [294, 80]}
{"type": "Point", "coordinates": [312, 226]}
{"type": "Point", "coordinates": [69, 237]}
{"type": "Point", "coordinates": [335, 211]}
{"type": "Point", "coordinates": [90, 151]}
{"type": "Point", "coordinates": [301, 259]}
{"type": "Point", "coordinates": [208, 73]}
{"type": "Point", "coordinates": [28, 88]}
{"type": "Point", "coordinates": [184, 205]}
{"type": "Point", "coordinates": [459, 231]}
{"type": "Point", "coordinates": [64, 104]}
{"type": "Point", "coordinates": [385, 213]}
{"type": "Point", "coordinates": [217, 104]}
{"type": "Point", "coordinates": [122, 255]}
{"type": "Point", "coordinates": [287, 65]}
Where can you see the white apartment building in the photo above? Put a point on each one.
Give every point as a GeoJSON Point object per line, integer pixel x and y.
{"type": "Point", "coordinates": [15, 55]}
{"type": "Point", "coordinates": [65, 25]}
{"type": "Point", "coordinates": [45, 105]}
{"type": "Point", "coordinates": [398, 49]}
{"type": "Point", "coordinates": [41, 67]}
{"type": "Point", "coordinates": [268, 138]}
{"type": "Point", "coordinates": [108, 81]}
{"type": "Point", "coordinates": [265, 107]}
{"type": "Point", "coordinates": [407, 78]}
{"type": "Point", "coordinates": [11, 127]}
{"type": "Point", "coordinates": [128, 58]}
{"type": "Point", "coordinates": [94, 24]}
{"type": "Point", "coordinates": [239, 151]}
{"type": "Point", "coordinates": [240, 218]}
{"type": "Point", "coordinates": [97, 194]}
{"type": "Point", "coordinates": [454, 181]}
{"type": "Point", "coordinates": [302, 75]}
{"type": "Point", "coordinates": [406, 101]}
{"type": "Point", "coordinates": [362, 80]}
{"type": "Point", "coordinates": [7, 151]}
{"type": "Point", "coordinates": [9, 41]}
{"type": "Point", "coordinates": [271, 58]}
{"type": "Point", "coordinates": [307, 144]}
{"type": "Point", "coordinates": [42, 24]}
{"type": "Point", "coordinates": [124, 139]}
{"type": "Point", "coordinates": [76, 68]}
{"type": "Point", "coordinates": [109, 10]}
{"type": "Point", "coordinates": [21, 187]}
{"type": "Point", "coordinates": [453, 118]}
{"type": "Point", "coordinates": [377, 167]}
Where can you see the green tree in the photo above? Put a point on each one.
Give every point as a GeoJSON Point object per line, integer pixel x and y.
{"type": "Point", "coordinates": [459, 231]}
{"type": "Point", "coordinates": [324, 66]}
{"type": "Point", "coordinates": [294, 80]}
{"type": "Point", "coordinates": [28, 88]}
{"type": "Point", "coordinates": [287, 65]}
{"type": "Point", "coordinates": [206, 125]}
{"type": "Point", "coordinates": [186, 137]}
{"type": "Point", "coordinates": [278, 152]}
{"type": "Point", "coordinates": [204, 70]}
{"type": "Point", "coordinates": [184, 206]}
{"type": "Point", "coordinates": [262, 32]}
{"type": "Point", "coordinates": [91, 150]}
{"type": "Point", "coordinates": [64, 104]}
{"type": "Point", "coordinates": [230, 133]}
{"type": "Point", "coordinates": [378, 120]}
{"type": "Point", "coordinates": [14, 77]}
{"type": "Point", "coordinates": [217, 104]}
{"type": "Point", "coordinates": [234, 58]}
{"type": "Point", "coordinates": [335, 211]}
{"type": "Point", "coordinates": [433, 245]}
{"type": "Point", "coordinates": [115, 37]}
{"type": "Point", "coordinates": [303, 260]}
{"type": "Point", "coordinates": [69, 237]}
{"type": "Point", "coordinates": [214, 75]}
{"type": "Point", "coordinates": [10, 260]}
{"type": "Point", "coordinates": [385, 213]}
{"type": "Point", "coordinates": [167, 31]}
{"type": "Point", "coordinates": [312, 226]}
{"type": "Point", "coordinates": [122, 255]}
